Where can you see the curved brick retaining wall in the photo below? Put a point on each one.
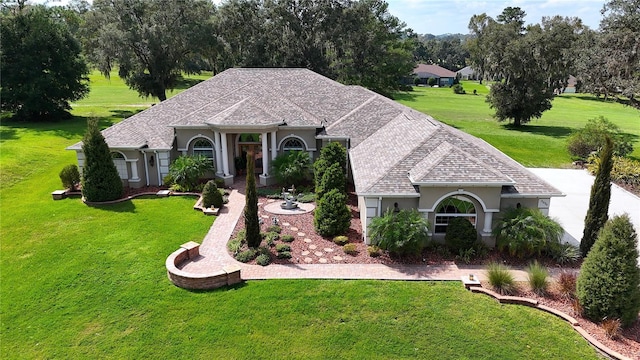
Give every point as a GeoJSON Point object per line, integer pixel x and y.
{"type": "Point", "coordinates": [227, 275]}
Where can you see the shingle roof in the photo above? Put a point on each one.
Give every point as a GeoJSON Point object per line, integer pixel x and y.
{"type": "Point", "coordinates": [393, 147]}
{"type": "Point", "coordinates": [435, 70]}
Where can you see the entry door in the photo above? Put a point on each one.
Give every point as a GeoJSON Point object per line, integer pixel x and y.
{"type": "Point", "coordinates": [256, 151]}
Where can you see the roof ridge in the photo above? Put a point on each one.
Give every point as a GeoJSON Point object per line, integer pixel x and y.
{"type": "Point", "coordinates": [209, 103]}
{"type": "Point", "coordinates": [369, 100]}
{"type": "Point", "coordinates": [289, 101]}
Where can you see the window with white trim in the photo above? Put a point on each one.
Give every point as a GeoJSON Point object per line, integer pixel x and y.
{"type": "Point", "coordinates": [121, 165]}
{"type": "Point", "coordinates": [203, 147]}
{"type": "Point", "coordinates": [452, 207]}
{"type": "Point", "coordinates": [292, 144]}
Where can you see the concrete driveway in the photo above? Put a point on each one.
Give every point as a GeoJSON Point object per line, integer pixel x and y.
{"type": "Point", "coordinates": [572, 209]}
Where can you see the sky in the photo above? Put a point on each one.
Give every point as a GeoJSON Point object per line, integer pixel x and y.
{"type": "Point", "coordinates": [452, 16]}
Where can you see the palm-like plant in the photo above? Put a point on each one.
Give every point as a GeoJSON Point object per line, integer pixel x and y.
{"type": "Point", "coordinates": [185, 171]}
{"type": "Point", "coordinates": [400, 233]}
{"type": "Point", "coordinates": [525, 232]}
{"type": "Point", "coordinates": [292, 168]}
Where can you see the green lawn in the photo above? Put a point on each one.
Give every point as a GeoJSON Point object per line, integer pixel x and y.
{"type": "Point", "coordinates": [90, 282]}
{"type": "Point", "coordinates": [541, 143]}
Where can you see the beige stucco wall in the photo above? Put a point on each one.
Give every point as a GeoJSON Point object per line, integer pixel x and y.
{"type": "Point", "coordinates": [430, 196]}
{"type": "Point", "coordinates": [184, 136]}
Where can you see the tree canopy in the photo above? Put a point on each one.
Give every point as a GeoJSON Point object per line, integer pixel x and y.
{"type": "Point", "coordinates": [42, 69]}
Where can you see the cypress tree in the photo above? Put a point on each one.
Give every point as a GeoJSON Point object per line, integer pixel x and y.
{"type": "Point", "coordinates": [100, 179]}
{"type": "Point", "coordinates": [251, 224]}
{"type": "Point", "coordinates": [609, 281]}
{"type": "Point", "coordinates": [599, 199]}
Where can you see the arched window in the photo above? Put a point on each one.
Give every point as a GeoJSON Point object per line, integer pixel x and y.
{"type": "Point", "coordinates": [454, 206]}
{"type": "Point", "coordinates": [121, 164]}
{"type": "Point", "coordinates": [292, 144]}
{"type": "Point", "coordinates": [203, 147]}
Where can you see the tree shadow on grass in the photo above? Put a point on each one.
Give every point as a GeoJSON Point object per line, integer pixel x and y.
{"type": "Point", "coordinates": [404, 96]}
{"type": "Point", "coordinates": [123, 114]}
{"type": "Point", "coordinates": [121, 207]}
{"type": "Point", "coordinates": [8, 134]}
{"type": "Point", "coordinates": [553, 131]}
{"type": "Point", "coordinates": [185, 83]}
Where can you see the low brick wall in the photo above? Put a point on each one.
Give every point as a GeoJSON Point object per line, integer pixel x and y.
{"type": "Point", "coordinates": [227, 275]}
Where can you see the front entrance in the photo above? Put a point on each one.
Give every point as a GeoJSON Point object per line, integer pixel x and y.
{"type": "Point", "coordinates": [250, 144]}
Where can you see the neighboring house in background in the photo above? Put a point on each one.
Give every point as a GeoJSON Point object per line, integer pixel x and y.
{"type": "Point", "coordinates": [443, 76]}
{"type": "Point", "coordinates": [571, 85]}
{"type": "Point", "coordinates": [395, 154]}
{"type": "Point", "coordinates": [467, 73]}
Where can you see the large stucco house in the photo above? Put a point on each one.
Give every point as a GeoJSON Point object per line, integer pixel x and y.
{"type": "Point", "coordinates": [397, 156]}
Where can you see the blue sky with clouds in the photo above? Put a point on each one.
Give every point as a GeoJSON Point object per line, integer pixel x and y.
{"type": "Point", "coordinates": [452, 16]}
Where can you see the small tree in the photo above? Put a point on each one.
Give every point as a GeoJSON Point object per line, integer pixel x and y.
{"type": "Point", "coordinates": [461, 235]}
{"type": "Point", "coordinates": [186, 170]}
{"type": "Point", "coordinates": [524, 232]}
{"type": "Point", "coordinates": [251, 222]}
{"type": "Point", "coordinates": [70, 177]}
{"type": "Point", "coordinates": [332, 216]}
{"type": "Point", "coordinates": [211, 196]}
{"type": "Point", "coordinates": [292, 168]}
{"type": "Point", "coordinates": [609, 281]}
{"type": "Point", "coordinates": [333, 178]}
{"type": "Point", "coordinates": [332, 153]}
{"type": "Point", "coordinates": [599, 199]}
{"type": "Point", "coordinates": [100, 179]}
{"type": "Point", "coordinates": [401, 233]}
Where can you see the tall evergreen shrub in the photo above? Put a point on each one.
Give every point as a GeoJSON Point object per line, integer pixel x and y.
{"type": "Point", "coordinates": [100, 179]}
{"type": "Point", "coordinates": [251, 223]}
{"type": "Point", "coordinates": [609, 282]}
{"type": "Point", "coordinates": [332, 216]}
{"type": "Point", "coordinates": [333, 178]}
{"type": "Point", "coordinates": [599, 199]}
{"type": "Point", "coordinates": [332, 153]}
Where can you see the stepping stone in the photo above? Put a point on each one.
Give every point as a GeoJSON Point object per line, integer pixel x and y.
{"type": "Point", "coordinates": [265, 216]}
{"type": "Point", "coordinates": [337, 258]}
{"type": "Point", "coordinates": [328, 250]}
{"type": "Point", "coordinates": [269, 201]}
{"type": "Point", "coordinates": [294, 228]}
{"type": "Point", "coordinates": [308, 260]}
{"type": "Point", "coordinates": [308, 240]}
{"type": "Point", "coordinates": [322, 260]}
{"type": "Point", "coordinates": [301, 234]}
{"type": "Point", "coordinates": [259, 203]}
{"type": "Point", "coordinates": [286, 224]}
{"type": "Point", "coordinates": [318, 253]}
{"type": "Point", "coordinates": [312, 247]}
{"type": "Point", "coordinates": [305, 253]}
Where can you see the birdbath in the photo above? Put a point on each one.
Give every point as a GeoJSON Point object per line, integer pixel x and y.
{"type": "Point", "coordinates": [289, 196]}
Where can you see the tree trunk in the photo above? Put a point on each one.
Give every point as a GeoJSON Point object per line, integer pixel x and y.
{"type": "Point", "coordinates": [517, 122]}
{"type": "Point", "coordinates": [162, 95]}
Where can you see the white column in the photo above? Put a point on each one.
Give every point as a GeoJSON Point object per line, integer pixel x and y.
{"type": "Point", "coordinates": [134, 170]}
{"type": "Point", "coordinates": [265, 155]}
{"type": "Point", "coordinates": [225, 153]}
{"type": "Point", "coordinates": [274, 146]}
{"type": "Point", "coordinates": [488, 222]}
{"type": "Point", "coordinates": [216, 141]}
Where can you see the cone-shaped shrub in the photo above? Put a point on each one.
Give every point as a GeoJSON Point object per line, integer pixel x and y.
{"type": "Point", "coordinates": [333, 178]}
{"type": "Point", "coordinates": [609, 282]}
{"type": "Point", "coordinates": [251, 223]}
{"type": "Point", "coordinates": [332, 216]}
{"type": "Point", "coordinates": [599, 199]}
{"type": "Point", "coordinates": [211, 196]}
{"type": "Point", "coordinates": [100, 179]}
{"type": "Point", "coordinates": [332, 153]}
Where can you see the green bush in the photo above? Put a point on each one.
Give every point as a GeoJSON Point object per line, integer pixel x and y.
{"type": "Point", "coordinates": [565, 253]}
{"type": "Point", "coordinates": [234, 246]}
{"type": "Point", "coordinates": [100, 178]}
{"type": "Point", "coordinates": [332, 153]}
{"type": "Point", "coordinates": [500, 278]}
{"type": "Point", "coordinates": [624, 170]}
{"type": "Point", "coordinates": [466, 255]}
{"type": "Point", "coordinates": [288, 238]}
{"type": "Point", "coordinates": [432, 81]}
{"type": "Point", "coordinates": [525, 232]}
{"type": "Point", "coordinates": [538, 277]}
{"type": "Point", "coordinates": [263, 260]}
{"type": "Point", "coordinates": [306, 198]}
{"type": "Point", "coordinates": [592, 138]}
{"type": "Point", "coordinates": [609, 282]}
{"type": "Point", "coordinates": [458, 89]}
{"type": "Point", "coordinates": [211, 196]}
{"type": "Point", "coordinates": [373, 250]}
{"type": "Point", "coordinates": [340, 240]}
{"type": "Point", "coordinates": [350, 249]}
{"type": "Point", "coordinates": [400, 233]}
{"type": "Point", "coordinates": [284, 255]}
{"type": "Point", "coordinates": [274, 228]}
{"type": "Point", "coordinates": [70, 177]}
{"type": "Point", "coordinates": [283, 247]}
{"type": "Point", "coordinates": [247, 255]}
{"type": "Point", "coordinates": [460, 235]}
{"type": "Point", "coordinates": [332, 215]}
{"type": "Point", "coordinates": [219, 183]}
{"type": "Point", "coordinates": [185, 171]}
{"type": "Point", "coordinates": [333, 178]}
{"type": "Point", "coordinates": [292, 168]}
{"type": "Point", "coordinates": [272, 235]}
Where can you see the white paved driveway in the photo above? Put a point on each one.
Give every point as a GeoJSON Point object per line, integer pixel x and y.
{"type": "Point", "coordinates": [572, 209]}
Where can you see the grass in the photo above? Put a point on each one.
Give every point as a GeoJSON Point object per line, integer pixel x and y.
{"type": "Point", "coordinates": [541, 143]}
{"type": "Point", "coordinates": [90, 282]}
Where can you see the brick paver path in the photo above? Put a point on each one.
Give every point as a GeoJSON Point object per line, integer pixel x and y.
{"type": "Point", "coordinates": [215, 255]}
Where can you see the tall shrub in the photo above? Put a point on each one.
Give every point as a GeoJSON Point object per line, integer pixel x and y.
{"type": "Point", "coordinates": [211, 196]}
{"type": "Point", "coordinates": [186, 171]}
{"type": "Point", "coordinates": [292, 168]}
{"type": "Point", "coordinates": [332, 153]}
{"type": "Point", "coordinates": [401, 233]}
{"type": "Point", "coordinates": [609, 281]}
{"type": "Point", "coordinates": [461, 235]}
{"type": "Point", "coordinates": [599, 199]}
{"type": "Point", "coordinates": [251, 224]}
{"type": "Point", "coordinates": [333, 178]}
{"type": "Point", "coordinates": [100, 179]}
{"type": "Point", "coordinates": [332, 216]}
{"type": "Point", "coordinates": [524, 232]}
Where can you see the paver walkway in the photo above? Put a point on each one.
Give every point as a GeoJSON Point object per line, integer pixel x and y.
{"type": "Point", "coordinates": [215, 255]}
